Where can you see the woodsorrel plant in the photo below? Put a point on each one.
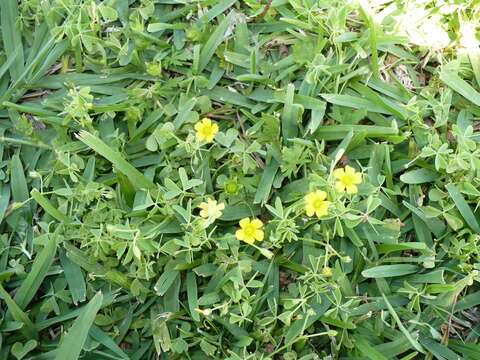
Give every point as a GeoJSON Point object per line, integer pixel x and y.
{"type": "Point", "coordinates": [224, 179]}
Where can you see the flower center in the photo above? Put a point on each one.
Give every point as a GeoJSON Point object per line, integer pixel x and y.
{"type": "Point", "coordinates": [231, 187]}
{"type": "Point", "coordinates": [249, 230]}
{"type": "Point", "coordinates": [207, 130]}
{"type": "Point", "coordinates": [348, 179]}
{"type": "Point", "coordinates": [317, 204]}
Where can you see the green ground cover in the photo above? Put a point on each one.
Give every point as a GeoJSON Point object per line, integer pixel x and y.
{"type": "Point", "coordinates": [225, 179]}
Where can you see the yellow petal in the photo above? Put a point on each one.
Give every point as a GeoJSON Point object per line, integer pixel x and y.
{"type": "Point", "coordinates": [257, 223]}
{"type": "Point", "coordinates": [218, 213]}
{"type": "Point", "coordinates": [240, 235]}
{"type": "Point", "coordinates": [214, 128]}
{"type": "Point", "coordinates": [339, 186]}
{"type": "Point", "coordinates": [321, 195]}
{"type": "Point", "coordinates": [207, 121]}
{"type": "Point", "coordinates": [309, 209]}
{"type": "Point", "coordinates": [321, 212]}
{"type": "Point", "coordinates": [249, 239]}
{"type": "Point", "coordinates": [357, 178]}
{"type": "Point", "coordinates": [244, 222]}
{"type": "Point", "coordinates": [200, 136]}
{"type": "Point", "coordinates": [338, 173]}
{"type": "Point", "coordinates": [221, 206]}
{"type": "Point", "coordinates": [198, 126]}
{"type": "Point", "coordinates": [258, 235]}
{"type": "Point", "coordinates": [349, 170]}
{"type": "Point", "coordinates": [209, 138]}
{"type": "Point", "coordinates": [352, 189]}
{"type": "Point", "coordinates": [309, 197]}
{"type": "Point", "coordinates": [204, 213]}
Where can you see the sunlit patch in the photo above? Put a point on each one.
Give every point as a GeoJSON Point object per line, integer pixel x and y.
{"type": "Point", "coordinates": [424, 30]}
{"type": "Point", "coordinates": [414, 21]}
{"type": "Point", "coordinates": [468, 39]}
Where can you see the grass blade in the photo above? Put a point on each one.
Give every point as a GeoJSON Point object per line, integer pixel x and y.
{"type": "Point", "coordinates": [383, 271]}
{"type": "Point", "coordinates": [463, 207]}
{"type": "Point", "coordinates": [355, 102]}
{"type": "Point", "coordinates": [48, 207]}
{"type": "Point", "coordinates": [366, 13]}
{"type": "Point", "coordinates": [6, 66]}
{"type": "Point", "coordinates": [139, 180]}
{"type": "Point", "coordinates": [289, 115]}
{"type": "Point", "coordinates": [4, 200]}
{"type": "Point", "coordinates": [192, 295]}
{"type": "Point", "coordinates": [91, 266]}
{"type": "Point", "coordinates": [29, 330]}
{"type": "Point", "coordinates": [73, 342]}
{"type": "Point", "coordinates": [19, 186]}
{"type": "Point", "coordinates": [367, 350]}
{"type": "Point", "coordinates": [419, 176]}
{"type": "Point", "coordinates": [97, 334]}
{"type": "Point", "coordinates": [339, 132]}
{"type": "Point", "coordinates": [266, 182]}
{"type": "Point", "coordinates": [12, 36]}
{"type": "Point", "coordinates": [214, 42]}
{"type": "Point", "coordinates": [35, 277]}
{"type": "Point", "coordinates": [402, 328]}
{"type": "Point", "coordinates": [74, 277]}
{"type": "Point", "coordinates": [459, 85]}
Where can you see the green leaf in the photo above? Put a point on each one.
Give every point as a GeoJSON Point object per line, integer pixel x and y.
{"type": "Point", "coordinates": [384, 271]}
{"type": "Point", "coordinates": [4, 199]}
{"type": "Point", "coordinates": [355, 102]}
{"type": "Point", "coordinates": [166, 280]}
{"type": "Point", "coordinates": [289, 115]}
{"type": "Point", "coordinates": [419, 176]}
{"type": "Point", "coordinates": [463, 207]}
{"type": "Point", "coordinates": [12, 36]}
{"type": "Point", "coordinates": [139, 180]}
{"type": "Point", "coordinates": [266, 182]}
{"type": "Point", "coordinates": [450, 78]}
{"type": "Point", "coordinates": [405, 332]}
{"type": "Point", "coordinates": [339, 132]}
{"type": "Point", "coordinates": [214, 40]}
{"type": "Point", "coordinates": [20, 350]}
{"type": "Point", "coordinates": [367, 350]}
{"type": "Point", "coordinates": [29, 330]}
{"type": "Point", "coordinates": [97, 334]}
{"type": "Point", "coordinates": [438, 350]}
{"type": "Point", "coordinates": [337, 322]}
{"type": "Point", "coordinates": [19, 185]}
{"type": "Point", "coordinates": [37, 273]}
{"type": "Point", "coordinates": [49, 208]}
{"type": "Point", "coordinates": [192, 295]}
{"type": "Point", "coordinates": [74, 276]}
{"type": "Point", "coordinates": [72, 344]}
{"type": "Point", "coordinates": [93, 267]}
{"type": "Point", "coordinates": [239, 211]}
{"type": "Point", "coordinates": [367, 13]}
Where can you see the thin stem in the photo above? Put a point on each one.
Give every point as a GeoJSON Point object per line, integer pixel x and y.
{"type": "Point", "coordinates": [24, 142]}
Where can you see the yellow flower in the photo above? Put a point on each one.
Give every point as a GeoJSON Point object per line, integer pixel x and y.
{"type": "Point", "coordinates": [326, 271]}
{"type": "Point", "coordinates": [316, 203]}
{"type": "Point", "coordinates": [250, 230]}
{"type": "Point", "coordinates": [348, 180]}
{"type": "Point", "coordinates": [211, 209]}
{"type": "Point", "coordinates": [206, 130]}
